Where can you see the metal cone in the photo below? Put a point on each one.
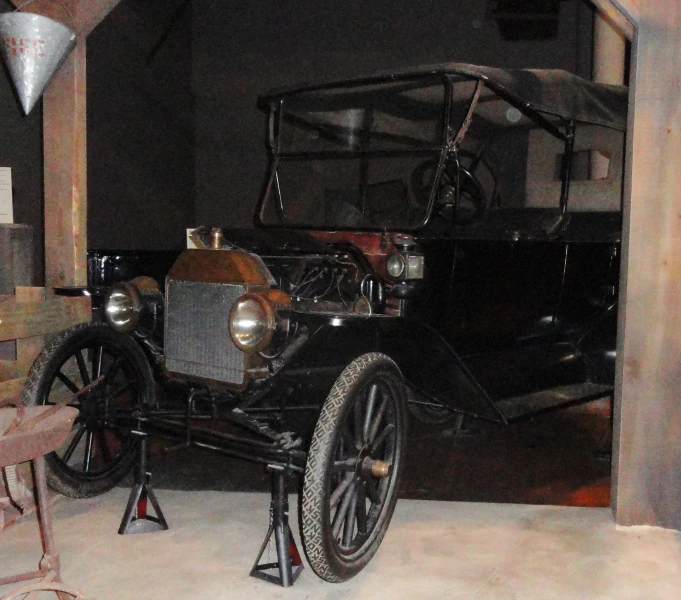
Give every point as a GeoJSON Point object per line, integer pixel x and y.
{"type": "Point", "coordinates": [33, 47]}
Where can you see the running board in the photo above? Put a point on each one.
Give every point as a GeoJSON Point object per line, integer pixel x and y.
{"type": "Point", "coordinates": [558, 397]}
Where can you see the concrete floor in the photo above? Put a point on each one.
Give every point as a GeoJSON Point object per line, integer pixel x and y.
{"type": "Point", "coordinates": [433, 550]}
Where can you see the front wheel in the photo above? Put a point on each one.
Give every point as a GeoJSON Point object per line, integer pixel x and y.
{"type": "Point", "coordinates": [353, 468]}
{"type": "Point", "coordinates": [107, 376]}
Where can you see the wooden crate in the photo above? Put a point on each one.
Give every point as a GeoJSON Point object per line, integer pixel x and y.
{"type": "Point", "coordinates": [29, 318]}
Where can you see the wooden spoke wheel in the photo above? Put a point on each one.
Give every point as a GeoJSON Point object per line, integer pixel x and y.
{"type": "Point", "coordinates": [106, 376]}
{"type": "Point", "coordinates": [353, 468]}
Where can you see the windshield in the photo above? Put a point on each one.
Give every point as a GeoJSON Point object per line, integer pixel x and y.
{"type": "Point", "coordinates": [344, 157]}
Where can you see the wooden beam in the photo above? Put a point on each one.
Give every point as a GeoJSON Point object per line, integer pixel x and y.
{"type": "Point", "coordinates": [91, 13]}
{"type": "Point", "coordinates": [20, 320]}
{"type": "Point", "coordinates": [65, 164]}
{"type": "Point", "coordinates": [82, 16]}
{"type": "Point", "coordinates": [614, 13]}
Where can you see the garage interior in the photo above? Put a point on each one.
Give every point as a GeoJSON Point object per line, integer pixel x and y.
{"type": "Point", "coordinates": [171, 90]}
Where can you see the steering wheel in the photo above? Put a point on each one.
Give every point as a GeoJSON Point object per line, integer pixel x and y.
{"type": "Point", "coordinates": [472, 198]}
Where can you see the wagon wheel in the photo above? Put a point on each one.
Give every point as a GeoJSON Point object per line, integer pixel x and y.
{"type": "Point", "coordinates": [472, 201]}
{"type": "Point", "coordinates": [353, 468]}
{"type": "Point", "coordinates": [107, 377]}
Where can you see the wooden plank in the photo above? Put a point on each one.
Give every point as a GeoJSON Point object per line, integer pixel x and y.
{"type": "Point", "coordinates": [21, 320]}
{"type": "Point", "coordinates": [29, 348]}
{"type": "Point", "coordinates": [11, 390]}
{"type": "Point", "coordinates": [8, 370]}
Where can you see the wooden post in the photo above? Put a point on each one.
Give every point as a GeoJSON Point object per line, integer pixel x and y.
{"type": "Point", "coordinates": [647, 440]}
{"type": "Point", "coordinates": [28, 348]}
{"type": "Point", "coordinates": [65, 145]}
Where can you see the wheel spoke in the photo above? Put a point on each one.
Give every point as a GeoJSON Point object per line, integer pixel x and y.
{"type": "Point", "coordinates": [123, 388]}
{"type": "Point", "coordinates": [377, 420]}
{"type": "Point", "coordinates": [338, 492]}
{"type": "Point", "coordinates": [357, 412]}
{"type": "Point", "coordinates": [345, 465]}
{"type": "Point", "coordinates": [372, 492]}
{"type": "Point", "coordinates": [97, 362]}
{"type": "Point", "coordinates": [67, 382]}
{"type": "Point", "coordinates": [74, 442]}
{"type": "Point", "coordinates": [347, 442]}
{"type": "Point", "coordinates": [342, 512]}
{"type": "Point", "coordinates": [361, 510]}
{"type": "Point", "coordinates": [381, 437]}
{"type": "Point", "coordinates": [89, 447]}
{"type": "Point", "coordinates": [84, 375]}
{"type": "Point", "coordinates": [349, 525]}
{"type": "Point", "coordinates": [74, 404]}
{"type": "Point", "coordinates": [371, 400]}
{"type": "Point", "coordinates": [104, 445]}
{"type": "Point", "coordinates": [112, 371]}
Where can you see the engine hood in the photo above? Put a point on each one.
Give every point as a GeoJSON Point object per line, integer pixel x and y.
{"type": "Point", "coordinates": [276, 242]}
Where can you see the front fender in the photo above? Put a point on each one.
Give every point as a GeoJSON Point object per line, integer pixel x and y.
{"type": "Point", "coordinates": [427, 362]}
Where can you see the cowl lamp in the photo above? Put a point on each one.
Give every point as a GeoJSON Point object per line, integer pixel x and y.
{"type": "Point", "coordinates": [33, 47]}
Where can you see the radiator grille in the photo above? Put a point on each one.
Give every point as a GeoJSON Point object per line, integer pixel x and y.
{"type": "Point", "coordinates": [197, 340]}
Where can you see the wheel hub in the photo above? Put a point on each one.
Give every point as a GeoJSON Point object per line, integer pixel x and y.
{"type": "Point", "coordinates": [94, 406]}
{"type": "Point", "coordinates": [380, 469]}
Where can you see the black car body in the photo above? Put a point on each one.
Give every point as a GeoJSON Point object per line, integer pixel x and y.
{"type": "Point", "coordinates": [446, 236]}
{"type": "Point", "coordinates": [512, 306]}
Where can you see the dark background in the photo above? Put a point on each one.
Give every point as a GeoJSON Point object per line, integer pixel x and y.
{"type": "Point", "coordinates": [174, 136]}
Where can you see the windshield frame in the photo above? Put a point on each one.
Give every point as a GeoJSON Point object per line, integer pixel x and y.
{"type": "Point", "coordinates": [450, 140]}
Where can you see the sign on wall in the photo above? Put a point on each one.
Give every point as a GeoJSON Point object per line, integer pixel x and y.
{"type": "Point", "coordinates": [6, 212]}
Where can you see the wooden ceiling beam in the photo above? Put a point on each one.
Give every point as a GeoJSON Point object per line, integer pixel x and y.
{"type": "Point", "coordinates": [615, 12]}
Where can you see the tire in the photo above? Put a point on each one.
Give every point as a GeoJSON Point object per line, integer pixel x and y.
{"type": "Point", "coordinates": [367, 402]}
{"type": "Point", "coordinates": [106, 376]}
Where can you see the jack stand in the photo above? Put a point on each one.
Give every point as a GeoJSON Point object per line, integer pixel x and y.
{"type": "Point", "coordinates": [135, 518]}
{"type": "Point", "coordinates": [289, 564]}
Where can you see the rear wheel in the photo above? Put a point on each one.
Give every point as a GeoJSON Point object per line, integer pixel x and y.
{"type": "Point", "coordinates": [353, 468]}
{"type": "Point", "coordinates": [106, 376]}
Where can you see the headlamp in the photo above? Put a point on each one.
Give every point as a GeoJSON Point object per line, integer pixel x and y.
{"type": "Point", "coordinates": [395, 265]}
{"type": "Point", "coordinates": [123, 307]}
{"type": "Point", "coordinates": [252, 322]}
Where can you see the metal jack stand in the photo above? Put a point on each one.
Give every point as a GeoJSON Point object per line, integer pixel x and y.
{"type": "Point", "coordinates": [289, 564]}
{"type": "Point", "coordinates": [136, 519]}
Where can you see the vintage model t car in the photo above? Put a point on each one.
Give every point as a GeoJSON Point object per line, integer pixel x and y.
{"type": "Point", "coordinates": [429, 243]}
